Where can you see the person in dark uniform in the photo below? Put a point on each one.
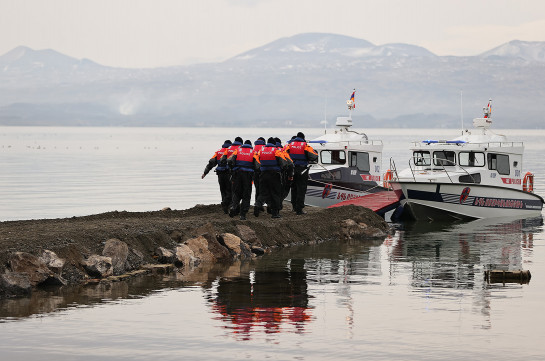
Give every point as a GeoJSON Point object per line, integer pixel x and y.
{"type": "Point", "coordinates": [287, 172]}
{"type": "Point", "coordinates": [224, 175]}
{"type": "Point", "coordinates": [258, 144]}
{"type": "Point", "coordinates": [271, 162]}
{"type": "Point", "coordinates": [243, 162]}
{"type": "Point", "coordinates": [301, 154]}
{"type": "Point", "coordinates": [223, 162]}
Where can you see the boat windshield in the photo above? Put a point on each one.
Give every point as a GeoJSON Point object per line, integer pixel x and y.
{"type": "Point", "coordinates": [444, 157]}
{"type": "Point", "coordinates": [421, 158]}
{"type": "Point", "coordinates": [333, 156]}
{"type": "Point", "coordinates": [471, 159]}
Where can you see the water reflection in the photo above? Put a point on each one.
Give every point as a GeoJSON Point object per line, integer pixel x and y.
{"type": "Point", "coordinates": [491, 244]}
{"type": "Point", "coordinates": [280, 292]}
{"type": "Point", "coordinates": [263, 299]}
{"type": "Point", "coordinates": [448, 259]}
{"type": "Point", "coordinates": [53, 299]}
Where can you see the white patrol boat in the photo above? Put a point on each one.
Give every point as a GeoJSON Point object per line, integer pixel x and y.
{"type": "Point", "coordinates": [478, 175]}
{"type": "Point", "coordinates": [348, 167]}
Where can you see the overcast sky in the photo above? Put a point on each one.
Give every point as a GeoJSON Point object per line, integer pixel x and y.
{"type": "Point", "coordinates": [151, 33]}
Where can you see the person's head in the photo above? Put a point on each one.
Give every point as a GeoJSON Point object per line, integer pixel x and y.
{"type": "Point", "coordinates": [277, 141]}
{"type": "Point", "coordinates": [261, 138]}
{"type": "Point", "coordinates": [227, 143]}
{"type": "Point", "coordinates": [247, 141]}
{"type": "Point", "coordinates": [271, 140]}
{"type": "Point", "coordinates": [301, 135]}
{"type": "Point", "coordinates": [292, 138]}
{"type": "Point", "coordinates": [238, 139]}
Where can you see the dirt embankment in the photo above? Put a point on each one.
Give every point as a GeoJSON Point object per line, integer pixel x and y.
{"type": "Point", "coordinates": [77, 238]}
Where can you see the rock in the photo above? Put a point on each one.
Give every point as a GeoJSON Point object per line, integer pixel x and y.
{"type": "Point", "coordinates": [351, 228]}
{"type": "Point", "coordinates": [235, 245]}
{"type": "Point", "coordinates": [73, 274]}
{"type": "Point", "coordinates": [207, 228]}
{"type": "Point", "coordinates": [258, 251]}
{"type": "Point", "coordinates": [207, 248]}
{"type": "Point", "coordinates": [99, 266]}
{"type": "Point", "coordinates": [14, 284]}
{"type": "Point", "coordinates": [135, 259]}
{"type": "Point", "coordinates": [164, 255]}
{"type": "Point", "coordinates": [185, 256]}
{"type": "Point", "coordinates": [118, 251]}
{"type": "Point", "coordinates": [247, 234]}
{"type": "Point", "coordinates": [52, 261]}
{"type": "Point", "coordinates": [37, 271]}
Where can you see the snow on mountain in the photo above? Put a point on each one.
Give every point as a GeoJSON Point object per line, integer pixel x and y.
{"type": "Point", "coordinates": [324, 47]}
{"type": "Point", "coordinates": [527, 50]}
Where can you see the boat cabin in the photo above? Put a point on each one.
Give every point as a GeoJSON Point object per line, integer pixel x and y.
{"type": "Point", "coordinates": [478, 157]}
{"type": "Point", "coordinates": [347, 156]}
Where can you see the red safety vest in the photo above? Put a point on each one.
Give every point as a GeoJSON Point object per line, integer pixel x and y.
{"type": "Point", "coordinates": [267, 158]}
{"type": "Point", "coordinates": [231, 150]}
{"type": "Point", "coordinates": [245, 159]}
{"type": "Point", "coordinates": [219, 154]}
{"type": "Point", "coordinates": [297, 153]}
{"type": "Point", "coordinates": [258, 147]}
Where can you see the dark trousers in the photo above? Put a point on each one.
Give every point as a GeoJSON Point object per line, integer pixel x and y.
{"type": "Point", "coordinates": [299, 187]}
{"type": "Point", "coordinates": [271, 189]}
{"type": "Point", "coordinates": [242, 191]}
{"type": "Point", "coordinates": [224, 180]}
{"type": "Point", "coordinates": [257, 185]}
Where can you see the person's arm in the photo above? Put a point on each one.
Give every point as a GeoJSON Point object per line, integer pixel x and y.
{"type": "Point", "coordinates": [211, 164]}
{"type": "Point", "coordinates": [311, 154]}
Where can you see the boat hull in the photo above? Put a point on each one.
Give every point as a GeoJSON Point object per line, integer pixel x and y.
{"type": "Point", "coordinates": [433, 201]}
{"type": "Point", "coordinates": [320, 195]}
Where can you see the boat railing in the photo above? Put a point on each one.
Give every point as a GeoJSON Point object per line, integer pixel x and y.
{"type": "Point", "coordinates": [359, 142]}
{"type": "Point", "coordinates": [463, 143]}
{"type": "Point", "coordinates": [393, 167]}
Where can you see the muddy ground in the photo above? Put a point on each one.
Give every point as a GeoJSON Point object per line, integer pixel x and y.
{"type": "Point", "coordinates": [78, 237]}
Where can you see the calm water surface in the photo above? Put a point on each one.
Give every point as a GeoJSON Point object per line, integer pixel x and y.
{"type": "Point", "coordinates": [417, 295]}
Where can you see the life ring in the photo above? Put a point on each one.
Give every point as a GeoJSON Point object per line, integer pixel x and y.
{"type": "Point", "coordinates": [528, 182]}
{"type": "Point", "coordinates": [387, 178]}
{"type": "Point", "coordinates": [327, 190]}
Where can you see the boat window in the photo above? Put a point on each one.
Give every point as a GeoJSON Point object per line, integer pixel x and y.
{"type": "Point", "coordinates": [470, 178]}
{"type": "Point", "coordinates": [499, 162]}
{"type": "Point", "coordinates": [360, 160]}
{"type": "Point", "coordinates": [471, 159]}
{"type": "Point", "coordinates": [444, 157]}
{"type": "Point", "coordinates": [335, 175]}
{"type": "Point", "coordinates": [333, 157]}
{"type": "Point", "coordinates": [421, 158]}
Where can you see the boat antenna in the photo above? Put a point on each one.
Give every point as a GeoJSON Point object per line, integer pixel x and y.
{"type": "Point", "coordinates": [325, 115]}
{"type": "Point", "coordinates": [462, 110]}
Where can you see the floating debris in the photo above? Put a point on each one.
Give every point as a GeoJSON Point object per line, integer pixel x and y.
{"type": "Point", "coordinates": [500, 276]}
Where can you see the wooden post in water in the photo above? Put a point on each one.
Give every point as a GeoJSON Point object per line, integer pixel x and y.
{"type": "Point", "coordinates": [500, 276]}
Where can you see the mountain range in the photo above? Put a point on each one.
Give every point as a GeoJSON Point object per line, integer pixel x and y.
{"type": "Point", "coordinates": [300, 80]}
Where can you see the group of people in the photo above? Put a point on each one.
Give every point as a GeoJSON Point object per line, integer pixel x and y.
{"type": "Point", "coordinates": [272, 168]}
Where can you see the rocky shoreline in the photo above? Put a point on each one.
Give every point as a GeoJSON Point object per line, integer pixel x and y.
{"type": "Point", "coordinates": [112, 246]}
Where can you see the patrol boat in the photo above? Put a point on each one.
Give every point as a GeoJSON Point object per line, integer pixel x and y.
{"type": "Point", "coordinates": [478, 175]}
{"type": "Point", "coordinates": [348, 166]}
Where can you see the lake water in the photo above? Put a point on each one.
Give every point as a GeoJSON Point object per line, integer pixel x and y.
{"type": "Point", "coordinates": [418, 295]}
